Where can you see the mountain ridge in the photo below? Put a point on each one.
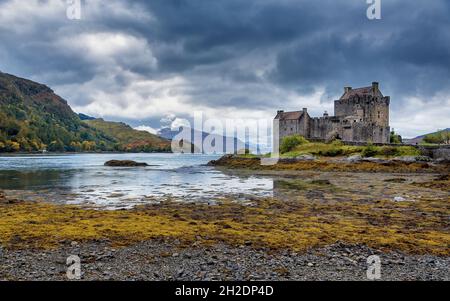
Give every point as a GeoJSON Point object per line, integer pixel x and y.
{"type": "Point", "coordinates": [33, 118]}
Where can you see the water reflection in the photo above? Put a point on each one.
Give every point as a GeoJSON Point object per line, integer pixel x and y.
{"type": "Point", "coordinates": [12, 179]}
{"type": "Point", "coordinates": [183, 178]}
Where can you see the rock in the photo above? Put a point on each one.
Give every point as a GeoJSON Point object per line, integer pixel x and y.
{"type": "Point", "coordinates": [407, 159]}
{"type": "Point", "coordinates": [305, 157]}
{"type": "Point", "coordinates": [399, 199]}
{"type": "Point", "coordinates": [4, 200]}
{"type": "Point", "coordinates": [124, 163]}
{"type": "Point", "coordinates": [354, 158]}
{"type": "Point", "coordinates": [74, 244]}
{"type": "Point", "coordinates": [423, 159]}
{"type": "Point", "coordinates": [374, 160]}
{"type": "Point", "coordinates": [321, 182]}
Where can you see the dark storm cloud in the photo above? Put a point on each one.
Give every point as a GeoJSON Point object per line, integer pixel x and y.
{"type": "Point", "coordinates": [211, 32]}
{"type": "Point", "coordinates": [225, 49]}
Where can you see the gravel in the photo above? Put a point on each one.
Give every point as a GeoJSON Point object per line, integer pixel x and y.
{"type": "Point", "coordinates": [168, 260]}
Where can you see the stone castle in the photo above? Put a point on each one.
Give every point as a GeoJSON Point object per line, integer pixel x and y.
{"type": "Point", "coordinates": [360, 115]}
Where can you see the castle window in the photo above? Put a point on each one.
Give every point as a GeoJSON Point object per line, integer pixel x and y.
{"type": "Point", "coordinates": [378, 114]}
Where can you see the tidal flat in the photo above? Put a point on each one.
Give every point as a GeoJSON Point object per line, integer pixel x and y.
{"type": "Point", "coordinates": [318, 225]}
{"type": "Point", "coordinates": [292, 224]}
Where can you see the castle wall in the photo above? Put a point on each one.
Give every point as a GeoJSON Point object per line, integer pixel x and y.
{"type": "Point", "coordinates": [294, 126]}
{"type": "Point", "coordinates": [323, 127]}
{"type": "Point", "coordinates": [364, 108]}
{"type": "Point", "coordinates": [328, 128]}
{"type": "Point", "coordinates": [362, 132]}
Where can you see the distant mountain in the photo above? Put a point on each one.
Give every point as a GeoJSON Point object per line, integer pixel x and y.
{"type": "Point", "coordinates": [419, 139]}
{"type": "Point", "coordinates": [34, 118]}
{"type": "Point", "coordinates": [170, 134]}
{"type": "Point", "coordinates": [85, 117]}
{"type": "Point", "coordinates": [129, 138]}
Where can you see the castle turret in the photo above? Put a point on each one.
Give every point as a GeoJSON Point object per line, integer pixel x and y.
{"type": "Point", "coordinates": [375, 87]}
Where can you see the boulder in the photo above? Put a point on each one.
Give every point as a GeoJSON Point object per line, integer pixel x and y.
{"type": "Point", "coordinates": [375, 160]}
{"type": "Point", "coordinates": [124, 163]}
{"type": "Point", "coordinates": [305, 157]}
{"type": "Point", "coordinates": [423, 159]}
{"type": "Point", "coordinates": [354, 158]}
{"type": "Point", "coordinates": [406, 159]}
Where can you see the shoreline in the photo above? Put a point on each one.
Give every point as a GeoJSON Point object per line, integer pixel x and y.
{"type": "Point", "coordinates": [311, 229]}
{"type": "Point", "coordinates": [418, 227]}
{"type": "Point", "coordinates": [158, 260]}
{"type": "Point", "coordinates": [73, 153]}
{"type": "Point", "coordinates": [334, 164]}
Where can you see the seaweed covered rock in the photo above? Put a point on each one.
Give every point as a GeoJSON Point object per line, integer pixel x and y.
{"type": "Point", "coordinates": [124, 163]}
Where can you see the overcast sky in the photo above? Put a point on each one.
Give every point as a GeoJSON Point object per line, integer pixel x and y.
{"type": "Point", "coordinates": [143, 61]}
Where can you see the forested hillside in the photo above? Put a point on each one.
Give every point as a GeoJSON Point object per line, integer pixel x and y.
{"type": "Point", "coordinates": [34, 118]}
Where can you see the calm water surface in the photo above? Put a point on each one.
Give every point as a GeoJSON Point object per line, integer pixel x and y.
{"type": "Point", "coordinates": [82, 179]}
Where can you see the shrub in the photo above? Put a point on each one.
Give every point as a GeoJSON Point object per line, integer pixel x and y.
{"type": "Point", "coordinates": [369, 151]}
{"type": "Point", "coordinates": [389, 151]}
{"type": "Point", "coordinates": [337, 142]}
{"type": "Point", "coordinates": [333, 152]}
{"type": "Point", "coordinates": [395, 138]}
{"type": "Point", "coordinates": [290, 142]}
{"type": "Point", "coordinates": [407, 151]}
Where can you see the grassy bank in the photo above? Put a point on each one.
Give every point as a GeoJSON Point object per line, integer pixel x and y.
{"type": "Point", "coordinates": [250, 162]}
{"type": "Point", "coordinates": [337, 148]}
{"type": "Point", "coordinates": [413, 227]}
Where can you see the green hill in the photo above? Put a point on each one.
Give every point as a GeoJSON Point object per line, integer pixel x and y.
{"type": "Point", "coordinates": [129, 138]}
{"type": "Point", "coordinates": [34, 118]}
{"type": "Point", "coordinates": [439, 137]}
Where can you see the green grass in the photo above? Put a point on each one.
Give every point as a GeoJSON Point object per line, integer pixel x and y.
{"type": "Point", "coordinates": [323, 150]}
{"type": "Point", "coordinates": [338, 149]}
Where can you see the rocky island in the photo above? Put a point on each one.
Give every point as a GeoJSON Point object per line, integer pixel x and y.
{"type": "Point", "coordinates": [124, 163]}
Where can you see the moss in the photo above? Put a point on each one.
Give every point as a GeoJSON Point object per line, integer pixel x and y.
{"type": "Point", "coordinates": [440, 182]}
{"type": "Point", "coordinates": [413, 227]}
{"type": "Point", "coordinates": [296, 184]}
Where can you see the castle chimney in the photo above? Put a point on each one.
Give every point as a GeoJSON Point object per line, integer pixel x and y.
{"type": "Point", "coordinates": [325, 114]}
{"type": "Point", "coordinates": [347, 89]}
{"type": "Point", "coordinates": [375, 86]}
{"type": "Point", "coordinates": [305, 110]}
{"type": "Point", "coordinates": [279, 112]}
